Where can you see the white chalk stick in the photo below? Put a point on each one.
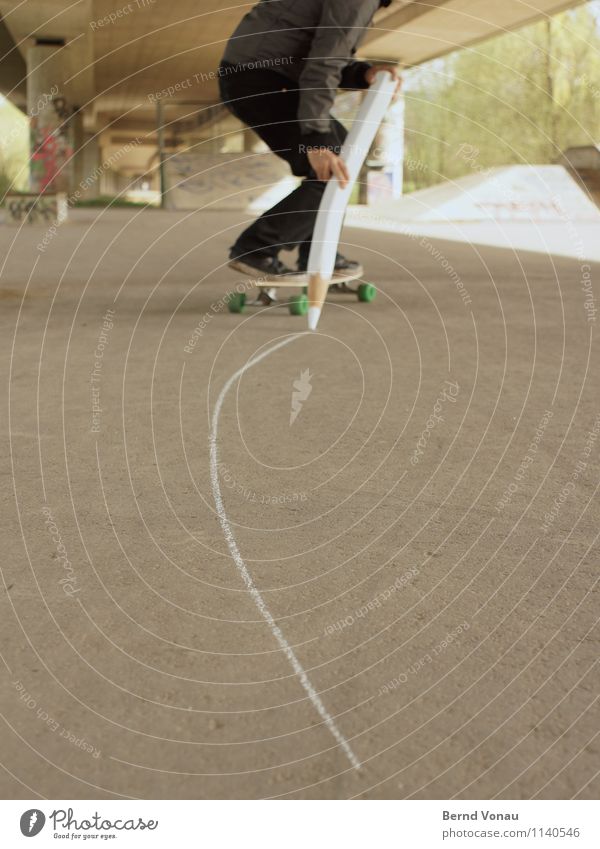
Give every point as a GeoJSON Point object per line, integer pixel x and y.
{"type": "Point", "coordinates": [330, 218]}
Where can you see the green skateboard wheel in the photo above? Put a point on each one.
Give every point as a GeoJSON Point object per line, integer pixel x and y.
{"type": "Point", "coordinates": [298, 305]}
{"type": "Point", "coordinates": [237, 302]}
{"type": "Point", "coordinates": [367, 293]}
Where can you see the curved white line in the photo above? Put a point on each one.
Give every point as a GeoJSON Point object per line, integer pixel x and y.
{"type": "Point", "coordinates": [241, 566]}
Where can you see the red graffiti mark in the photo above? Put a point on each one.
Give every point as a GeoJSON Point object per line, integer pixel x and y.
{"type": "Point", "coordinates": [50, 153]}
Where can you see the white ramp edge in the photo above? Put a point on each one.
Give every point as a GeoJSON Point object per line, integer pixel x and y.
{"type": "Point", "coordinates": [537, 193]}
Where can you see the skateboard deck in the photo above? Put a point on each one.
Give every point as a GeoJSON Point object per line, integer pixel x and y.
{"type": "Point", "coordinates": [266, 287]}
{"type": "Point", "coordinates": [300, 278]}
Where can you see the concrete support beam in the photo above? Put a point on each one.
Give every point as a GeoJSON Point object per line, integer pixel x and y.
{"type": "Point", "coordinates": [79, 169]}
{"type": "Point", "coordinates": [425, 29]}
{"type": "Point", "coordinates": [406, 15]}
{"type": "Point", "coordinates": [50, 112]}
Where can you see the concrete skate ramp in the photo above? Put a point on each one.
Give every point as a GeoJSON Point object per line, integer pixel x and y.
{"type": "Point", "coordinates": [583, 163]}
{"type": "Point", "coordinates": [508, 193]}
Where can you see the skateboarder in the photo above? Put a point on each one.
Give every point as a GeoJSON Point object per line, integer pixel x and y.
{"type": "Point", "coordinates": [280, 73]}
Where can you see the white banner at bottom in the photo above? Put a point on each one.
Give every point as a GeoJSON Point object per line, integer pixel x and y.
{"type": "Point", "coordinates": [302, 824]}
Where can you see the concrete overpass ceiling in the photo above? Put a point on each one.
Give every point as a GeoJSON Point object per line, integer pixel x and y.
{"type": "Point", "coordinates": [415, 32]}
{"type": "Point", "coordinates": [163, 45]}
{"type": "Point", "coordinates": [49, 20]}
{"type": "Point", "coordinates": [12, 68]}
{"type": "Point", "coordinates": [121, 51]}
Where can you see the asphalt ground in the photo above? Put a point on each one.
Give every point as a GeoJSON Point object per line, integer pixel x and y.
{"type": "Point", "coordinates": [394, 562]}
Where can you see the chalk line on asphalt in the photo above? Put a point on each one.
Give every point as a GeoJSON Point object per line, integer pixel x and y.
{"type": "Point", "coordinates": [243, 569]}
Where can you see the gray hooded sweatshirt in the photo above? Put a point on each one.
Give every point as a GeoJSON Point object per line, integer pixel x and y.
{"type": "Point", "coordinates": [311, 42]}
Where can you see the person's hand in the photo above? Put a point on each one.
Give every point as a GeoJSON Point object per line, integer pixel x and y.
{"type": "Point", "coordinates": [326, 164]}
{"type": "Point", "coordinates": [394, 70]}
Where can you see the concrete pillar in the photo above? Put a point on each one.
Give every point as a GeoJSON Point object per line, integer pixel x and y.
{"type": "Point", "coordinates": [87, 165]}
{"type": "Point", "coordinates": [78, 138]}
{"type": "Point", "coordinates": [388, 150]}
{"type": "Point", "coordinates": [51, 146]}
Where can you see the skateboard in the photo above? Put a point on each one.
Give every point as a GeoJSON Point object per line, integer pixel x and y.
{"type": "Point", "coordinates": [320, 279]}
{"type": "Point", "coordinates": [265, 289]}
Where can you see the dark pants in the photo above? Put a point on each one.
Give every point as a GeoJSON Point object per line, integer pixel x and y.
{"type": "Point", "coordinates": [268, 103]}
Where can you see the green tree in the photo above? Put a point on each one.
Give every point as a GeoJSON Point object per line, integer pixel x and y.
{"type": "Point", "coordinates": [521, 97]}
{"type": "Point", "coordinates": [14, 148]}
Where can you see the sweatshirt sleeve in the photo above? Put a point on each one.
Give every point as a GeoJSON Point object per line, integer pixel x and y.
{"type": "Point", "coordinates": [342, 24]}
{"type": "Point", "coordinates": [353, 75]}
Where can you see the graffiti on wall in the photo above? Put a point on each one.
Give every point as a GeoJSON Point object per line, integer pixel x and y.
{"type": "Point", "coordinates": [51, 145]}
{"type": "Point", "coordinates": [226, 181]}
{"type": "Point", "coordinates": [35, 209]}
